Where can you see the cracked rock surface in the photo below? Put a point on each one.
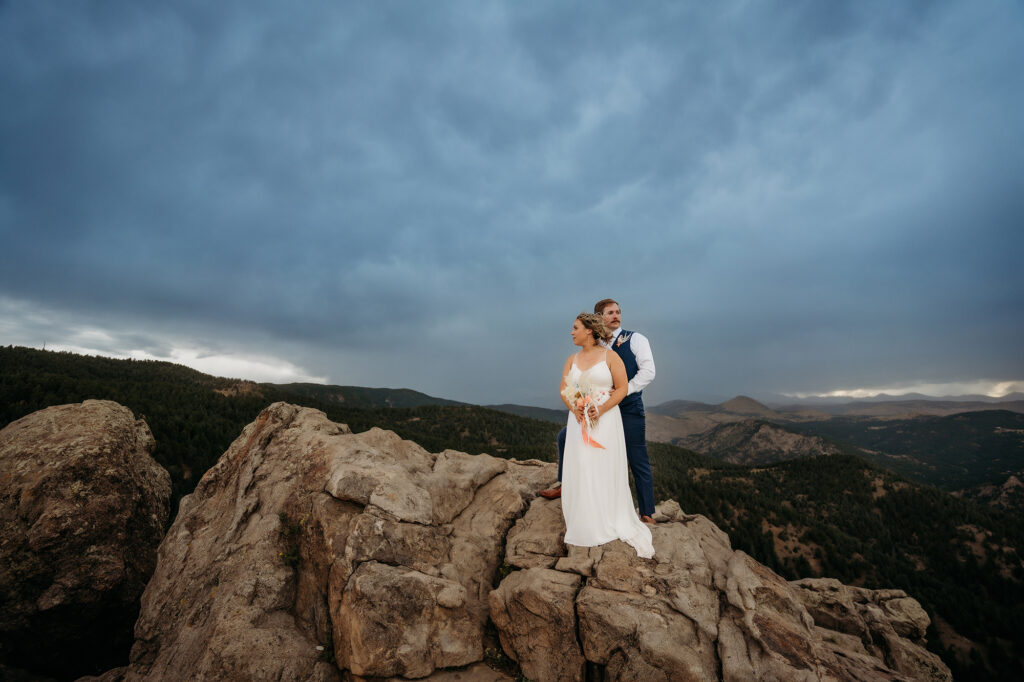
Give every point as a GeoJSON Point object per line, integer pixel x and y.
{"type": "Point", "coordinates": [311, 553]}
{"type": "Point", "coordinates": [698, 610]}
{"type": "Point", "coordinates": [305, 535]}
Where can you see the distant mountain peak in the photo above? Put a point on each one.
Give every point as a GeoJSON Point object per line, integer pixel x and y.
{"type": "Point", "coordinates": [746, 405]}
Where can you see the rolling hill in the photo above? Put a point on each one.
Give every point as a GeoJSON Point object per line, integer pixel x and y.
{"type": "Point", "coordinates": [360, 397]}
{"type": "Point", "coordinates": [756, 442]}
{"type": "Point", "coordinates": [542, 413]}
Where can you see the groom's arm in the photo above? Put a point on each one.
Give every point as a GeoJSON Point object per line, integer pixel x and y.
{"type": "Point", "coordinates": [641, 348]}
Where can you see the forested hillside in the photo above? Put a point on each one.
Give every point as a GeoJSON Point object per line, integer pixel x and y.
{"type": "Point", "coordinates": [194, 416]}
{"type": "Point", "coordinates": [1009, 495]}
{"type": "Point", "coordinates": [836, 516]}
{"type": "Point", "coordinates": [953, 452]}
{"type": "Point", "coordinates": [756, 442]}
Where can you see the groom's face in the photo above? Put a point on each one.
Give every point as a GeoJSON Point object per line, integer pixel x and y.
{"type": "Point", "coordinates": [612, 316]}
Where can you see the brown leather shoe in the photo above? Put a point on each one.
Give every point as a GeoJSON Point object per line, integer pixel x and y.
{"type": "Point", "coordinates": [551, 493]}
{"type": "Point", "coordinates": [648, 519]}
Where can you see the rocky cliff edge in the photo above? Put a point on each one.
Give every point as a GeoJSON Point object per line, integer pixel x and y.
{"type": "Point", "coordinates": [311, 553]}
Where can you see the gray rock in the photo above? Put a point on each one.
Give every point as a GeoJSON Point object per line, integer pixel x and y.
{"type": "Point", "coordinates": [304, 535]}
{"type": "Point", "coordinates": [536, 540]}
{"type": "Point", "coordinates": [82, 510]}
{"type": "Point", "coordinates": [534, 610]}
{"type": "Point", "coordinates": [397, 621]}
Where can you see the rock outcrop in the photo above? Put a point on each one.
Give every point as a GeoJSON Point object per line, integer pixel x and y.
{"type": "Point", "coordinates": [307, 549]}
{"type": "Point", "coordinates": [82, 511]}
{"type": "Point", "coordinates": [311, 553]}
{"type": "Point", "coordinates": [872, 625]}
{"type": "Point", "coordinates": [753, 442]}
{"type": "Point", "coordinates": [698, 611]}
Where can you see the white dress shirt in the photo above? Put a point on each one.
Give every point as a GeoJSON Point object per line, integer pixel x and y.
{"type": "Point", "coordinates": [641, 348]}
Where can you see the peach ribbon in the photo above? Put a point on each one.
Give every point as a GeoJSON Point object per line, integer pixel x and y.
{"type": "Point", "coordinates": [587, 440]}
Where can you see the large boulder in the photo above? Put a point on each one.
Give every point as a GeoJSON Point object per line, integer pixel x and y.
{"type": "Point", "coordinates": [83, 507]}
{"type": "Point", "coordinates": [540, 600]}
{"type": "Point", "coordinates": [308, 550]}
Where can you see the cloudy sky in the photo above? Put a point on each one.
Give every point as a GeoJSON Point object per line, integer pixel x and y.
{"type": "Point", "coordinates": [786, 197]}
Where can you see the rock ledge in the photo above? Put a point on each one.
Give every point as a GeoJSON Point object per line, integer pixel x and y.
{"type": "Point", "coordinates": [311, 553]}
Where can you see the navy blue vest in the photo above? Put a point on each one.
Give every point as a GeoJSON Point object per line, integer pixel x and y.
{"type": "Point", "coordinates": [633, 400]}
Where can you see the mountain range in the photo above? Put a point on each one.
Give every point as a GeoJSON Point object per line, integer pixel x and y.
{"type": "Point", "coordinates": [1016, 396]}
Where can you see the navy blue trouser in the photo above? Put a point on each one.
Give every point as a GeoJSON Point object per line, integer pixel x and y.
{"type": "Point", "coordinates": [634, 427]}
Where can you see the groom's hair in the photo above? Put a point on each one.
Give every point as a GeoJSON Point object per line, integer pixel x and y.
{"type": "Point", "coordinates": [604, 303]}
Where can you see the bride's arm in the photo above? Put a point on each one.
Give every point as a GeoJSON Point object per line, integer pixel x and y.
{"type": "Point", "coordinates": [561, 388]}
{"type": "Point", "coordinates": [565, 373]}
{"type": "Point", "coordinates": [619, 383]}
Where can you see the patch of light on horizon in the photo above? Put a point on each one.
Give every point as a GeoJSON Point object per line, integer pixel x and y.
{"type": "Point", "coordinates": [992, 389]}
{"type": "Point", "coordinates": [29, 324]}
{"type": "Point", "coordinates": [259, 369]}
{"type": "Point", "coordinates": [95, 335]}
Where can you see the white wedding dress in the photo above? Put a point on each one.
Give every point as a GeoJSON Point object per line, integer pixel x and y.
{"type": "Point", "coordinates": [596, 501]}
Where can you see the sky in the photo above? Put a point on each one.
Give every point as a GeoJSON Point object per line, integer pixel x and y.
{"type": "Point", "coordinates": [787, 198]}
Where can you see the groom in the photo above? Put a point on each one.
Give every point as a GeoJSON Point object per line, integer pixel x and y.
{"type": "Point", "coordinates": [635, 351]}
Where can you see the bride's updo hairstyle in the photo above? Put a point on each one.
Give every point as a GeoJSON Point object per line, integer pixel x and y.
{"type": "Point", "coordinates": [595, 324]}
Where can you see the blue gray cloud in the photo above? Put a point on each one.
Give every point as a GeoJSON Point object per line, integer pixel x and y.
{"type": "Point", "coordinates": [786, 197]}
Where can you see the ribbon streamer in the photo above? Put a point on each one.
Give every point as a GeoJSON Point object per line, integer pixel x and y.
{"type": "Point", "coordinates": [587, 440]}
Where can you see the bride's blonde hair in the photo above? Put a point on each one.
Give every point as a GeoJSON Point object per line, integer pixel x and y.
{"type": "Point", "coordinates": [595, 323]}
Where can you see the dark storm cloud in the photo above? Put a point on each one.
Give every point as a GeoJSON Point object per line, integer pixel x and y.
{"type": "Point", "coordinates": [784, 196]}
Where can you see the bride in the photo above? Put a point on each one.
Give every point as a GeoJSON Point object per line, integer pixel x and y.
{"type": "Point", "coordinates": [596, 501]}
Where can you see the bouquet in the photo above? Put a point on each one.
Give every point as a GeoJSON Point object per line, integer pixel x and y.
{"type": "Point", "coordinates": [581, 394]}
